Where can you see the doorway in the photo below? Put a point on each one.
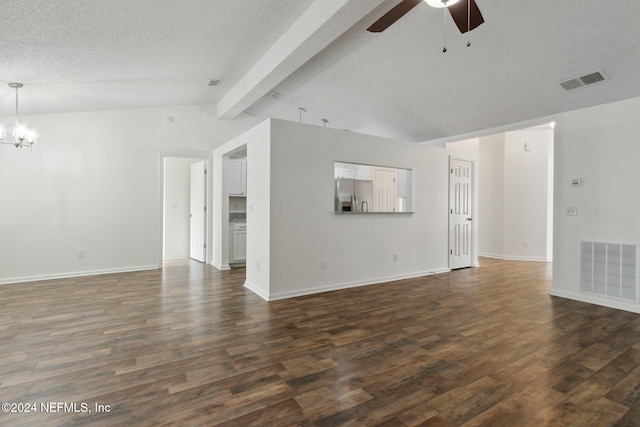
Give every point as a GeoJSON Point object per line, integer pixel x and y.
{"type": "Point", "coordinates": [184, 208]}
{"type": "Point", "coordinates": [512, 186]}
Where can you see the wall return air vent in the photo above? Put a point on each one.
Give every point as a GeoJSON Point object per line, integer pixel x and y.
{"type": "Point", "coordinates": [582, 81]}
{"type": "Point", "coordinates": [610, 270]}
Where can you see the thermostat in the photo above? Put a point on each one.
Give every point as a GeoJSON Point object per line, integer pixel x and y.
{"type": "Point", "coordinates": [576, 182]}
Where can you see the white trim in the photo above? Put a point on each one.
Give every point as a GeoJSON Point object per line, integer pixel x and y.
{"type": "Point", "coordinates": [514, 258]}
{"type": "Point", "coordinates": [256, 290]}
{"type": "Point", "coordinates": [221, 267]}
{"type": "Point", "coordinates": [540, 121]}
{"type": "Point", "coordinates": [177, 257]}
{"type": "Point", "coordinates": [346, 285]}
{"type": "Point", "coordinates": [77, 274]}
{"type": "Point", "coordinates": [593, 299]}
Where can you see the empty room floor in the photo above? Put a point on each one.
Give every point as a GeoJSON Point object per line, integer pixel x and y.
{"type": "Point", "coordinates": [189, 345]}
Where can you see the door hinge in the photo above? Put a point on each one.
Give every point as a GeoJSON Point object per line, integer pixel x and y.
{"type": "Point", "coordinates": [204, 245]}
{"type": "Point", "coordinates": [450, 251]}
{"type": "Point", "coordinates": [205, 208]}
{"type": "Point", "coordinates": [205, 171]}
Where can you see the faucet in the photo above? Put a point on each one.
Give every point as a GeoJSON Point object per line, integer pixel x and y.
{"type": "Point", "coordinates": [363, 204]}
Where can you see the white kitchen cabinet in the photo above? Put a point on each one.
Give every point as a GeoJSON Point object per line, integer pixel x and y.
{"type": "Point", "coordinates": [341, 172]}
{"type": "Point", "coordinates": [237, 177]}
{"type": "Point", "coordinates": [238, 242]}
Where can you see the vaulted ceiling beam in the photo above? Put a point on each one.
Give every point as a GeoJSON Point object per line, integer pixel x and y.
{"type": "Point", "coordinates": [322, 23]}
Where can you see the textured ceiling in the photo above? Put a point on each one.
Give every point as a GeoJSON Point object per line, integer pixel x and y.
{"type": "Point", "coordinates": [77, 55]}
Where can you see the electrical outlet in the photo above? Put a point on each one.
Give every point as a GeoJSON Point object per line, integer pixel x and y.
{"type": "Point", "coordinates": [571, 211]}
{"type": "Point", "coordinates": [82, 254]}
{"type": "Point", "coordinates": [323, 264]}
{"type": "Point", "coordinates": [395, 257]}
{"type": "Point", "coordinates": [525, 244]}
{"type": "Point", "coordinates": [257, 265]}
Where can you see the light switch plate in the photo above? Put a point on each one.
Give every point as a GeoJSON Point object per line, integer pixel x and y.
{"type": "Point", "coordinates": [576, 182]}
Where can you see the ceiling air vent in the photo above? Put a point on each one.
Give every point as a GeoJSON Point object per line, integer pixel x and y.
{"type": "Point", "coordinates": [582, 81]}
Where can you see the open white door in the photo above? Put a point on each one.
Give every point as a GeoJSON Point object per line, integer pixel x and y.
{"type": "Point", "coordinates": [198, 211]}
{"type": "Point", "coordinates": [460, 213]}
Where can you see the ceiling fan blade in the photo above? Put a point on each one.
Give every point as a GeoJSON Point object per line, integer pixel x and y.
{"type": "Point", "coordinates": [459, 13]}
{"type": "Point", "coordinates": [393, 15]}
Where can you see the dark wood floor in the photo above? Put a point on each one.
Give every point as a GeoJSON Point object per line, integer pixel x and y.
{"type": "Point", "coordinates": [188, 345]}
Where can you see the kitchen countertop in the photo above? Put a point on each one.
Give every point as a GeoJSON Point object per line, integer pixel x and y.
{"type": "Point", "coordinates": [237, 216]}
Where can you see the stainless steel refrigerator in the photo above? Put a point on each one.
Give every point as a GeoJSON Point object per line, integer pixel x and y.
{"type": "Point", "coordinates": [353, 195]}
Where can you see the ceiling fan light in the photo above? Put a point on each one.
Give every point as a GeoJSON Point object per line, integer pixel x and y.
{"type": "Point", "coordinates": [441, 3]}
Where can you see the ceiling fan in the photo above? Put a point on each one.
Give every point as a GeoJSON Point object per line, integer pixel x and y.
{"type": "Point", "coordinates": [465, 14]}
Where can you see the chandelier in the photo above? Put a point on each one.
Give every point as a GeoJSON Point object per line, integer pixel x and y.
{"type": "Point", "coordinates": [22, 136]}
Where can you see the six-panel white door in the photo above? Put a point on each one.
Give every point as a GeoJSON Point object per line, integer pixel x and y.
{"type": "Point", "coordinates": [460, 213]}
{"type": "Point", "coordinates": [385, 196]}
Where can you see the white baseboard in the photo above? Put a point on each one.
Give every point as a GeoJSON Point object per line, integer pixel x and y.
{"type": "Point", "coordinates": [174, 258]}
{"type": "Point", "coordinates": [221, 267]}
{"type": "Point", "coordinates": [72, 274]}
{"type": "Point", "coordinates": [594, 299]}
{"type": "Point", "coordinates": [347, 285]}
{"type": "Point", "coordinates": [253, 288]}
{"type": "Point", "coordinates": [515, 258]}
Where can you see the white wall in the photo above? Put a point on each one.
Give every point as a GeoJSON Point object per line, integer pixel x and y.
{"type": "Point", "coordinates": [491, 195]}
{"type": "Point", "coordinates": [601, 145]}
{"type": "Point", "coordinates": [177, 207]}
{"type": "Point", "coordinates": [93, 183]}
{"type": "Point", "coordinates": [257, 143]}
{"type": "Point", "coordinates": [259, 209]}
{"type": "Point", "coordinates": [304, 231]}
{"type": "Point", "coordinates": [515, 195]}
{"type": "Point", "coordinates": [528, 202]}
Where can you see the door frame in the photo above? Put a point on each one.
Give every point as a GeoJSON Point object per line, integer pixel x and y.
{"type": "Point", "coordinates": [200, 253]}
{"type": "Point", "coordinates": [185, 154]}
{"type": "Point", "coordinates": [472, 201]}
